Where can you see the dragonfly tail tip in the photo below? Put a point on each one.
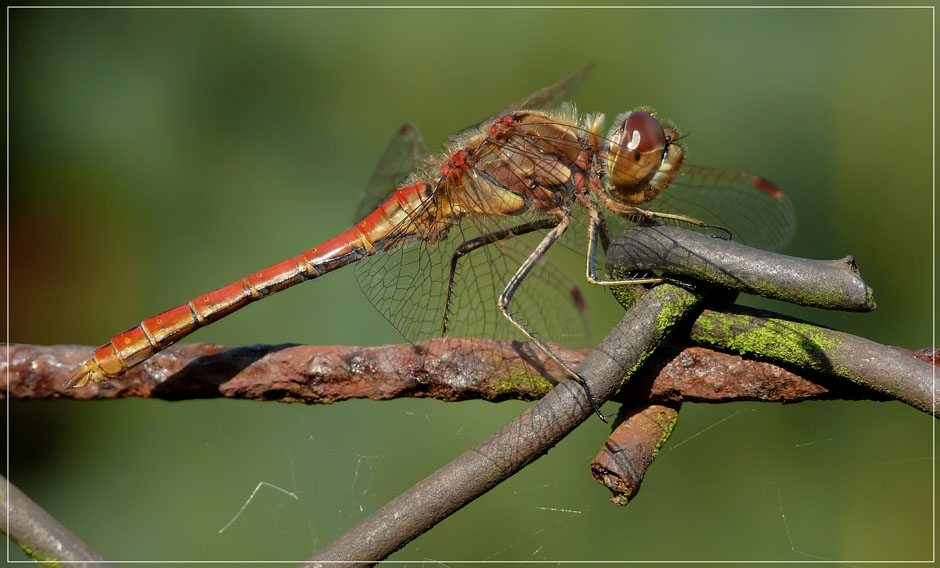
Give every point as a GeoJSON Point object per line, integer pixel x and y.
{"type": "Point", "coordinates": [89, 373]}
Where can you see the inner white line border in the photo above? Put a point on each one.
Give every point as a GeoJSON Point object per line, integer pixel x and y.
{"type": "Point", "coordinates": [494, 7]}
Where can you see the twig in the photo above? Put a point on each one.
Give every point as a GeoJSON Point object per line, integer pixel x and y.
{"type": "Point", "coordinates": [829, 284]}
{"type": "Point", "coordinates": [40, 535]}
{"type": "Point", "coordinates": [631, 448]}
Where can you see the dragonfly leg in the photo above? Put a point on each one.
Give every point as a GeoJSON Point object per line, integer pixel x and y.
{"type": "Point", "coordinates": [638, 213]}
{"type": "Point", "coordinates": [595, 227]}
{"type": "Point", "coordinates": [470, 245]}
{"type": "Point", "coordinates": [559, 229]}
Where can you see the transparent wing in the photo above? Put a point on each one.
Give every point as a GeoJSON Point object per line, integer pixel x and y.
{"type": "Point", "coordinates": [409, 287]}
{"type": "Point", "coordinates": [543, 98]}
{"type": "Point", "coordinates": [753, 209]}
{"type": "Point", "coordinates": [402, 154]}
{"type": "Point", "coordinates": [553, 94]}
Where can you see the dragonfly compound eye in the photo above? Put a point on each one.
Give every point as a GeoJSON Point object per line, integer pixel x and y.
{"type": "Point", "coordinates": [636, 151]}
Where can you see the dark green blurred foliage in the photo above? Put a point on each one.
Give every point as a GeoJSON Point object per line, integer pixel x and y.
{"type": "Point", "coordinates": [157, 154]}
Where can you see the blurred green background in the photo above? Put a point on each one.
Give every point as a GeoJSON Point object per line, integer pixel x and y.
{"type": "Point", "coordinates": [158, 154]}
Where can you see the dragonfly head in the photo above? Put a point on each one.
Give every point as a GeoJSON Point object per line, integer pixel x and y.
{"type": "Point", "coordinates": [641, 157]}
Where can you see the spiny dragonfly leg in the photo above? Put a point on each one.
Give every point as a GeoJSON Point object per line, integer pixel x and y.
{"type": "Point", "coordinates": [690, 221]}
{"type": "Point", "coordinates": [638, 213]}
{"type": "Point", "coordinates": [559, 229]}
{"type": "Point", "coordinates": [470, 245]}
{"type": "Point", "coordinates": [595, 227]}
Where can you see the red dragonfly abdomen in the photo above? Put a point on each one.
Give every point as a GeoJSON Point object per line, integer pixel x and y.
{"type": "Point", "coordinates": [371, 235]}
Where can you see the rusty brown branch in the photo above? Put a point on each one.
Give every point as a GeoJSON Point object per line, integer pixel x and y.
{"type": "Point", "coordinates": [475, 369]}
{"type": "Point", "coordinates": [447, 369]}
{"type": "Point", "coordinates": [631, 448]}
{"type": "Point", "coordinates": [40, 534]}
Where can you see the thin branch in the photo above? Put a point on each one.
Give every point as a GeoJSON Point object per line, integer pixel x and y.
{"type": "Point", "coordinates": [39, 534]}
{"type": "Point", "coordinates": [828, 284]}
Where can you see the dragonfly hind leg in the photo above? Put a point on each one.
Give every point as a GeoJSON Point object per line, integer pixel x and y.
{"type": "Point", "coordinates": [560, 225]}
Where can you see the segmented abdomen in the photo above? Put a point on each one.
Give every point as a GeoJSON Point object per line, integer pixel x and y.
{"type": "Point", "coordinates": [403, 218]}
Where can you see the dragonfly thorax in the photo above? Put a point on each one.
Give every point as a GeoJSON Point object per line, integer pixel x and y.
{"type": "Point", "coordinates": [641, 157]}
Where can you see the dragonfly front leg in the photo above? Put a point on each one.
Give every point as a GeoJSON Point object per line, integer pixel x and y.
{"type": "Point", "coordinates": [513, 286]}
{"type": "Point", "coordinates": [639, 214]}
{"type": "Point", "coordinates": [471, 245]}
{"type": "Point", "coordinates": [595, 227]}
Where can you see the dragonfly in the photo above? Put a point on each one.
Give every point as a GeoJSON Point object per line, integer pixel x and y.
{"type": "Point", "coordinates": [456, 243]}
